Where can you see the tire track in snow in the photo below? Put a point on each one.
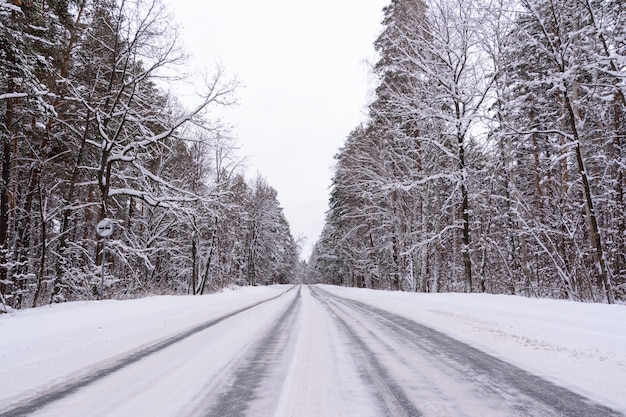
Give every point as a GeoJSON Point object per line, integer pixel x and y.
{"type": "Point", "coordinates": [521, 391]}
{"type": "Point", "coordinates": [392, 397]}
{"type": "Point", "coordinates": [67, 388]}
{"type": "Point", "coordinates": [242, 390]}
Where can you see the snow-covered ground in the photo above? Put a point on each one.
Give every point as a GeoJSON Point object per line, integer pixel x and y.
{"type": "Point", "coordinates": [579, 346]}
{"type": "Point", "coordinates": [48, 345]}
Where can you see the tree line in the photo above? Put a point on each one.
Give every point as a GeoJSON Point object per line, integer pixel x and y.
{"type": "Point", "coordinates": [493, 158]}
{"type": "Point", "coordinates": [89, 130]}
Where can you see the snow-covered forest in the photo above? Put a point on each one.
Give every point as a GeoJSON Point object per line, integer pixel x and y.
{"type": "Point", "coordinates": [493, 158]}
{"type": "Point", "coordinates": [89, 130]}
{"type": "Point", "coordinates": [494, 155]}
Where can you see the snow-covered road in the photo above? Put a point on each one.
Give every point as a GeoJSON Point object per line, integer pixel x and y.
{"type": "Point", "coordinates": [272, 351]}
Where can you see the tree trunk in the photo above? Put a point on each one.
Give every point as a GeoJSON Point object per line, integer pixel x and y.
{"type": "Point", "coordinates": [465, 250]}
{"type": "Point", "coordinates": [194, 262]}
{"type": "Point", "coordinates": [518, 225]}
{"type": "Point", "coordinates": [44, 249]}
{"type": "Point", "coordinates": [65, 222]}
{"type": "Point", "coordinates": [594, 233]}
{"type": "Point", "coordinates": [5, 190]}
{"type": "Point", "coordinates": [205, 274]}
{"type": "Point", "coordinates": [620, 257]}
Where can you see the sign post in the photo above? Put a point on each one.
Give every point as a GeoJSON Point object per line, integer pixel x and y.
{"type": "Point", "coordinates": [104, 229]}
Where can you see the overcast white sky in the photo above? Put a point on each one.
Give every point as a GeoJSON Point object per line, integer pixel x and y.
{"type": "Point", "coordinates": [305, 75]}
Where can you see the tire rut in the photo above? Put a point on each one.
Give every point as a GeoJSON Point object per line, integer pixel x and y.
{"type": "Point", "coordinates": [62, 390]}
{"type": "Point", "coordinates": [523, 391]}
{"type": "Point", "coordinates": [391, 395]}
{"type": "Point", "coordinates": [248, 377]}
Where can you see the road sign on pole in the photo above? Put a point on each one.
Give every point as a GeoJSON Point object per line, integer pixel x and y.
{"type": "Point", "coordinates": [104, 229]}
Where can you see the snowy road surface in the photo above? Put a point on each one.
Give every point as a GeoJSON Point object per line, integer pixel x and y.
{"type": "Point", "coordinates": [283, 351]}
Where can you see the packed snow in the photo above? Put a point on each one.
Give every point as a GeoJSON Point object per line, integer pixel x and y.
{"type": "Point", "coordinates": [48, 345]}
{"type": "Point", "coordinates": [579, 346]}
